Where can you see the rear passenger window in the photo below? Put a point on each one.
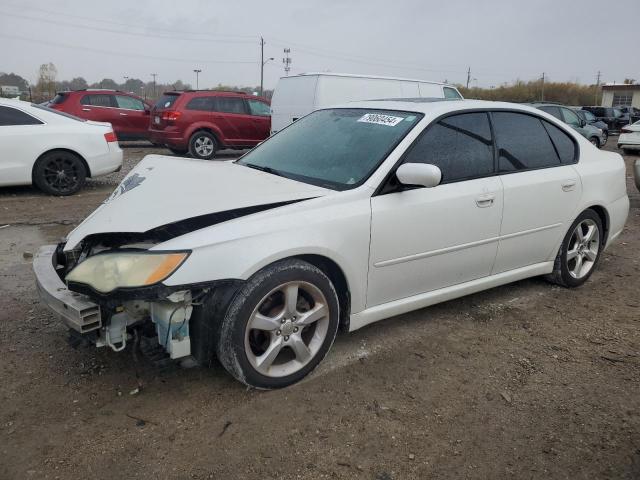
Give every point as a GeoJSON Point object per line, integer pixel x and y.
{"type": "Point", "coordinates": [522, 142]}
{"type": "Point", "coordinates": [12, 116]}
{"type": "Point", "coordinates": [98, 100]}
{"type": "Point", "coordinates": [229, 105]}
{"type": "Point", "coordinates": [459, 145]}
{"type": "Point", "coordinates": [564, 144]}
{"type": "Point", "coordinates": [201, 103]}
{"type": "Point", "coordinates": [451, 93]}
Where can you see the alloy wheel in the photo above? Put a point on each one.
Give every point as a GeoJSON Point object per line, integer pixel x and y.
{"type": "Point", "coordinates": [583, 248]}
{"type": "Point", "coordinates": [203, 146]}
{"type": "Point", "coordinates": [61, 174]}
{"type": "Point", "coordinates": [287, 329]}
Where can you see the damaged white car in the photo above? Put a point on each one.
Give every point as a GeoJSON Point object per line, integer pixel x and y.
{"type": "Point", "coordinates": [348, 216]}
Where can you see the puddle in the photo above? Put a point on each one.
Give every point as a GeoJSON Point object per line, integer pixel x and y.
{"type": "Point", "coordinates": [16, 240]}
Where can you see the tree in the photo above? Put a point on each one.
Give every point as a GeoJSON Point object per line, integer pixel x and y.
{"type": "Point", "coordinates": [105, 83]}
{"type": "Point", "coordinates": [78, 83]}
{"type": "Point", "coordinates": [47, 74]}
{"type": "Point", "coordinates": [11, 79]}
{"type": "Point", "coordinates": [133, 85]}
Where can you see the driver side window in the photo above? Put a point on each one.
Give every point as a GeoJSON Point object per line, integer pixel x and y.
{"type": "Point", "coordinates": [460, 145]}
{"type": "Point", "coordinates": [571, 118]}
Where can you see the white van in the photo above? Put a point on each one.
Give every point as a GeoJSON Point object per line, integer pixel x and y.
{"type": "Point", "coordinates": [296, 96]}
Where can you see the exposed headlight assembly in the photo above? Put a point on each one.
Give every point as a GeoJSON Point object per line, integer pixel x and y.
{"type": "Point", "coordinates": [107, 271]}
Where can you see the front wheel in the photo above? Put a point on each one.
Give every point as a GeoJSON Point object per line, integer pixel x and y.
{"type": "Point", "coordinates": [59, 173]}
{"type": "Point", "coordinates": [605, 137]}
{"type": "Point", "coordinates": [279, 325]}
{"type": "Point", "coordinates": [203, 145]}
{"type": "Point", "coordinates": [579, 252]}
{"type": "Point", "coordinates": [595, 141]}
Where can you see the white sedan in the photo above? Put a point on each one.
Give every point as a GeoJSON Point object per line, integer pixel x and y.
{"type": "Point", "coordinates": [53, 150]}
{"type": "Point", "coordinates": [348, 216]}
{"type": "Point", "coordinates": [629, 138]}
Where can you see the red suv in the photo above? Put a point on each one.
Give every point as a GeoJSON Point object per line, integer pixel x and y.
{"type": "Point", "coordinates": [127, 113]}
{"type": "Point", "coordinates": [203, 121]}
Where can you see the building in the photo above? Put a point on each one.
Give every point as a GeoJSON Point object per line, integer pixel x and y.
{"type": "Point", "coordinates": [9, 91]}
{"type": "Point", "coordinates": [621, 95]}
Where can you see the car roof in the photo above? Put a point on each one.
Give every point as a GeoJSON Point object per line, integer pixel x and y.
{"type": "Point", "coordinates": [354, 75]}
{"type": "Point", "coordinates": [431, 106]}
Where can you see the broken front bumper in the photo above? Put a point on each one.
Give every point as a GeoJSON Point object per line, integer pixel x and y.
{"type": "Point", "coordinates": [77, 311]}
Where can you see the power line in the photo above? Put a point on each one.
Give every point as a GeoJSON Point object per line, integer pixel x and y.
{"type": "Point", "coordinates": [121, 54]}
{"type": "Point", "coordinates": [126, 25]}
{"type": "Point", "coordinates": [119, 32]}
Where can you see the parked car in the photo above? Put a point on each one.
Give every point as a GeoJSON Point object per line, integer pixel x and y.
{"type": "Point", "coordinates": [299, 95]}
{"type": "Point", "coordinates": [609, 115]}
{"type": "Point", "coordinates": [629, 139]}
{"type": "Point", "coordinates": [591, 119]}
{"type": "Point", "coordinates": [569, 116]}
{"type": "Point", "coordinates": [53, 150]}
{"type": "Point", "coordinates": [201, 122]}
{"type": "Point", "coordinates": [629, 114]}
{"type": "Point", "coordinates": [393, 206]}
{"type": "Point", "coordinates": [127, 113]}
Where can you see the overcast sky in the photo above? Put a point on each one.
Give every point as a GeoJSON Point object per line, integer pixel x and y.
{"type": "Point", "coordinates": [501, 40]}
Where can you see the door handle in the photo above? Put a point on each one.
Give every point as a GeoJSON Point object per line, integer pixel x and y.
{"type": "Point", "coordinates": [86, 109]}
{"type": "Point", "coordinates": [484, 201]}
{"type": "Point", "coordinates": [568, 185]}
{"type": "Point", "coordinates": [123, 114]}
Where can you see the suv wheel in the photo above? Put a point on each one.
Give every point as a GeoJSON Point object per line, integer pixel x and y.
{"type": "Point", "coordinates": [203, 145]}
{"type": "Point", "coordinates": [279, 325]}
{"type": "Point", "coordinates": [595, 141]}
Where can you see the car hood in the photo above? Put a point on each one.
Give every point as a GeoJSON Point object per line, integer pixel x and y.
{"type": "Point", "coordinates": [163, 191]}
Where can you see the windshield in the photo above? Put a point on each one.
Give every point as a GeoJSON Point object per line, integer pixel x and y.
{"type": "Point", "coordinates": [335, 148]}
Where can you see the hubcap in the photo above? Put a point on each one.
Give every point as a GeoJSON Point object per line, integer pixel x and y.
{"type": "Point", "coordinates": [203, 146]}
{"type": "Point", "coordinates": [61, 174]}
{"type": "Point", "coordinates": [287, 329]}
{"type": "Point", "coordinates": [584, 245]}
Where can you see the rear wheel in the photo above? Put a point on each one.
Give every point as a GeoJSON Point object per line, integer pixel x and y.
{"type": "Point", "coordinates": [595, 141]}
{"type": "Point", "coordinates": [605, 137]}
{"type": "Point", "coordinates": [59, 173]}
{"type": "Point", "coordinates": [203, 145]}
{"type": "Point", "coordinates": [579, 252]}
{"type": "Point", "coordinates": [279, 326]}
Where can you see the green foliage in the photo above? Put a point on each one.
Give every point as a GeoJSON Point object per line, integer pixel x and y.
{"type": "Point", "coordinates": [520, 92]}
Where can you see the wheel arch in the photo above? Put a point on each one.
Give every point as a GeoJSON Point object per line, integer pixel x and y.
{"type": "Point", "coordinates": [604, 217]}
{"type": "Point", "coordinates": [332, 270]}
{"type": "Point", "coordinates": [205, 128]}
{"type": "Point", "coordinates": [68, 150]}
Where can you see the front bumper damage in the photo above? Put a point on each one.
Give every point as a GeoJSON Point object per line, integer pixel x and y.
{"type": "Point", "coordinates": [108, 322]}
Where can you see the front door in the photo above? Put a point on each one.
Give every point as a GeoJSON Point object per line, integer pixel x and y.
{"type": "Point", "coordinates": [133, 116]}
{"type": "Point", "coordinates": [261, 118]}
{"type": "Point", "coordinates": [424, 239]}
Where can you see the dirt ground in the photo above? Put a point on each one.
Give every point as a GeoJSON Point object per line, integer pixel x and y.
{"type": "Point", "coordinates": [523, 381]}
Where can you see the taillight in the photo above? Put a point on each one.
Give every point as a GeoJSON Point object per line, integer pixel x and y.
{"type": "Point", "coordinates": [170, 115]}
{"type": "Point", "coordinates": [110, 137]}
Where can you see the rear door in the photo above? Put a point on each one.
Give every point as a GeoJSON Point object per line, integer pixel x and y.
{"type": "Point", "coordinates": [541, 188]}
{"type": "Point", "coordinates": [133, 116]}
{"type": "Point", "coordinates": [101, 107]}
{"type": "Point", "coordinates": [232, 117]}
{"type": "Point", "coordinates": [261, 117]}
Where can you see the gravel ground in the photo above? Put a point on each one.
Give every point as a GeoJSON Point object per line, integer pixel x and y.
{"type": "Point", "coordinates": [523, 381]}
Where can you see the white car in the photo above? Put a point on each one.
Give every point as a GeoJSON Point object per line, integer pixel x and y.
{"type": "Point", "coordinates": [53, 150]}
{"type": "Point", "coordinates": [348, 216]}
{"type": "Point", "coordinates": [629, 139]}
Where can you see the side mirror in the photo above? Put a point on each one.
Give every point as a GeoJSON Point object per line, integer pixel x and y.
{"type": "Point", "coordinates": [582, 123]}
{"type": "Point", "coordinates": [423, 174]}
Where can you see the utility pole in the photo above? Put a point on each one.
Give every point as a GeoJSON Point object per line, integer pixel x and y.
{"type": "Point", "coordinates": [597, 86]}
{"type": "Point", "coordinates": [542, 92]}
{"type": "Point", "coordinates": [154, 75]}
{"type": "Point", "coordinates": [287, 61]}
{"type": "Point", "coordinates": [468, 77]}
{"type": "Point", "coordinates": [261, 66]}
{"type": "Point", "coordinates": [197, 72]}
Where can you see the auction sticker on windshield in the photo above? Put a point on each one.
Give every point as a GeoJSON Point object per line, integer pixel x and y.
{"type": "Point", "coordinates": [381, 119]}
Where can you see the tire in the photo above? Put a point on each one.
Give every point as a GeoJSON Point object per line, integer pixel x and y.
{"type": "Point", "coordinates": [59, 173]}
{"type": "Point", "coordinates": [628, 151]}
{"type": "Point", "coordinates": [605, 137]}
{"type": "Point", "coordinates": [573, 272]}
{"type": "Point", "coordinates": [595, 141]}
{"type": "Point", "coordinates": [203, 145]}
{"type": "Point", "coordinates": [178, 151]}
{"type": "Point", "coordinates": [285, 343]}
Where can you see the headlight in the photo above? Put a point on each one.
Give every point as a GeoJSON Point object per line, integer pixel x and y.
{"type": "Point", "coordinates": [108, 271]}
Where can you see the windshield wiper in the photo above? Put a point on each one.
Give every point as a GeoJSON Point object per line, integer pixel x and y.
{"type": "Point", "coordinates": [270, 170]}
